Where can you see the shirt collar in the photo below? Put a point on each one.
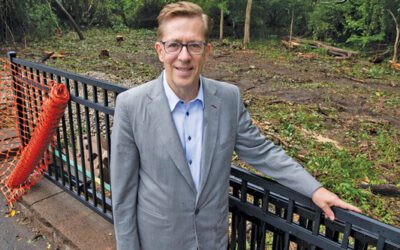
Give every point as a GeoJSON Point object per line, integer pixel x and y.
{"type": "Point", "coordinates": [173, 100]}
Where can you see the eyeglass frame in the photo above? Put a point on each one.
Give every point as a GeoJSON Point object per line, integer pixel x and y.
{"type": "Point", "coordinates": [184, 45]}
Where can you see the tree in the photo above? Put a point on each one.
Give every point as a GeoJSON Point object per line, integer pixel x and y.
{"type": "Point", "coordinates": [246, 37]}
{"type": "Point", "coordinates": [223, 9]}
{"type": "Point", "coordinates": [396, 43]}
{"type": "Point", "coordinates": [71, 19]}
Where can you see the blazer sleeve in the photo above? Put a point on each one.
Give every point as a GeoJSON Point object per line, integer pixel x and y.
{"type": "Point", "coordinates": [124, 178]}
{"type": "Point", "coordinates": [252, 147]}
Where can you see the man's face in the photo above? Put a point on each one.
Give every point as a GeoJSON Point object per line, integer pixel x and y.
{"type": "Point", "coordinates": [183, 68]}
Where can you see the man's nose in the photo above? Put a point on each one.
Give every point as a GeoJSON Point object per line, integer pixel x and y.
{"type": "Point", "coordinates": [184, 55]}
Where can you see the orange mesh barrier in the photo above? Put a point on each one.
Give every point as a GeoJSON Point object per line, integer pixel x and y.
{"type": "Point", "coordinates": [31, 106]}
{"type": "Point", "coordinates": [51, 113]}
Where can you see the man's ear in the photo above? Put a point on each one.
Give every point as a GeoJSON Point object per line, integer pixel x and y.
{"type": "Point", "coordinates": [160, 52]}
{"type": "Point", "coordinates": [208, 50]}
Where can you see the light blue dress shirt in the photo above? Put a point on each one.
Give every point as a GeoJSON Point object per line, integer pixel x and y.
{"type": "Point", "coordinates": [188, 119]}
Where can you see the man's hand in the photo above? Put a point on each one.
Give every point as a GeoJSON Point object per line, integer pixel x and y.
{"type": "Point", "coordinates": [325, 199]}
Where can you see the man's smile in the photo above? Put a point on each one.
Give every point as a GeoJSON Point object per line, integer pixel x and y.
{"type": "Point", "coordinates": [184, 71]}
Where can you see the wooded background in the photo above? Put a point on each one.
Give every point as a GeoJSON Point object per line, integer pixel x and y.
{"type": "Point", "coordinates": [363, 24]}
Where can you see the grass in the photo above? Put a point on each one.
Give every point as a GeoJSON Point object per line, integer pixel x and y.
{"type": "Point", "coordinates": [351, 164]}
{"type": "Point", "coordinates": [273, 51]}
{"type": "Point", "coordinates": [83, 56]}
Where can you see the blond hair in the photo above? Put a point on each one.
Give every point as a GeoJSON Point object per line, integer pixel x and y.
{"type": "Point", "coordinates": [183, 9]}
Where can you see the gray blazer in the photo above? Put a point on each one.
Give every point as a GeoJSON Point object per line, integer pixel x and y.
{"type": "Point", "coordinates": [155, 203]}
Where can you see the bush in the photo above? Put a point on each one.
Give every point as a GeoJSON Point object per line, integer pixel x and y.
{"type": "Point", "coordinates": [42, 21]}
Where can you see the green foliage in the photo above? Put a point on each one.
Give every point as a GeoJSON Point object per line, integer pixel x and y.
{"type": "Point", "coordinates": [357, 23]}
{"type": "Point", "coordinates": [368, 24]}
{"type": "Point", "coordinates": [42, 22]}
{"type": "Point", "coordinates": [327, 22]}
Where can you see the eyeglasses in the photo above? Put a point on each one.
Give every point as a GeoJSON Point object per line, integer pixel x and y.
{"type": "Point", "coordinates": [175, 47]}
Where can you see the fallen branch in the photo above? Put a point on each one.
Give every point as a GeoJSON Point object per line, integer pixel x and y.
{"type": "Point", "coordinates": [47, 55]}
{"type": "Point", "coordinates": [331, 50]}
{"type": "Point", "coordinates": [278, 138]}
{"type": "Point", "coordinates": [354, 79]}
{"type": "Point", "coordinates": [383, 189]}
{"type": "Point", "coordinates": [378, 58]}
{"type": "Point", "coordinates": [278, 101]}
{"type": "Point", "coordinates": [71, 20]}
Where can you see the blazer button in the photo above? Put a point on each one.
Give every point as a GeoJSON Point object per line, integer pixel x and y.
{"type": "Point", "coordinates": [196, 212]}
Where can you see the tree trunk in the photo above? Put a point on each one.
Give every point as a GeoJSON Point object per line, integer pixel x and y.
{"type": "Point", "coordinates": [291, 28]}
{"type": "Point", "coordinates": [74, 25]}
{"type": "Point", "coordinates": [396, 43]}
{"type": "Point", "coordinates": [221, 25]}
{"type": "Point", "coordinates": [246, 38]}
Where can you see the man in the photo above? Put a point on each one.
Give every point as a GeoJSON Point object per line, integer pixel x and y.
{"type": "Point", "coordinates": [172, 144]}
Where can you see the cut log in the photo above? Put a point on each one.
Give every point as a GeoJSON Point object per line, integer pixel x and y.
{"type": "Point", "coordinates": [104, 54]}
{"type": "Point", "coordinates": [394, 65]}
{"type": "Point", "coordinates": [52, 55]}
{"type": "Point", "coordinates": [58, 32]}
{"type": "Point", "coordinates": [337, 54]}
{"type": "Point", "coordinates": [379, 57]}
{"type": "Point", "coordinates": [290, 44]}
{"type": "Point", "coordinates": [47, 55]}
{"type": "Point", "coordinates": [119, 39]}
{"type": "Point", "coordinates": [383, 189]}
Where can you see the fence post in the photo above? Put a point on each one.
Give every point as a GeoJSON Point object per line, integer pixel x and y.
{"type": "Point", "coordinates": [21, 112]}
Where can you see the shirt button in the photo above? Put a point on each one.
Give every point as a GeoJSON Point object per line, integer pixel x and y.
{"type": "Point", "coordinates": [189, 138]}
{"type": "Point", "coordinates": [187, 113]}
{"type": "Point", "coordinates": [190, 162]}
{"type": "Point", "coordinates": [196, 212]}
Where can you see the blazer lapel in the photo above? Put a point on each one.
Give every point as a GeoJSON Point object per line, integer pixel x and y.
{"type": "Point", "coordinates": [210, 121]}
{"type": "Point", "coordinates": [161, 114]}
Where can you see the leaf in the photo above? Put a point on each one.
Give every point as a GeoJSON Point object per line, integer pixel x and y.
{"type": "Point", "coordinates": [12, 213]}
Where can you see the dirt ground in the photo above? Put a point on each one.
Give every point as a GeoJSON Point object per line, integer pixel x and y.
{"type": "Point", "coordinates": [353, 98]}
{"type": "Point", "coordinates": [261, 76]}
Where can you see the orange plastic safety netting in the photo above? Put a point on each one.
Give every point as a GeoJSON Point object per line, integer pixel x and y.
{"type": "Point", "coordinates": [31, 107]}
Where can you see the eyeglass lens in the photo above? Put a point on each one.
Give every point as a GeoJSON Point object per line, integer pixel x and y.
{"type": "Point", "coordinates": [192, 47]}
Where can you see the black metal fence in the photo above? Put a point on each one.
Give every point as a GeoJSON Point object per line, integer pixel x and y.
{"type": "Point", "coordinates": [263, 214]}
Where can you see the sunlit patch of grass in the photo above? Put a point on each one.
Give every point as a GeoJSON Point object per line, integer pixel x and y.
{"type": "Point", "coordinates": [83, 56]}
{"type": "Point", "coordinates": [272, 50]}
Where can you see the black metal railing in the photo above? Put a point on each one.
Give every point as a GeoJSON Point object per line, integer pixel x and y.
{"type": "Point", "coordinates": [82, 149]}
{"type": "Point", "coordinates": [263, 213]}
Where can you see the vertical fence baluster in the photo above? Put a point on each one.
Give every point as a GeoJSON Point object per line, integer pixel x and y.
{"type": "Point", "coordinates": [235, 220]}
{"type": "Point", "coordinates": [289, 218]}
{"type": "Point", "coordinates": [346, 235]}
{"type": "Point", "coordinates": [264, 207]}
{"type": "Point", "coordinates": [73, 142]}
{"type": "Point", "coordinates": [108, 137]}
{"type": "Point", "coordinates": [90, 146]}
{"type": "Point", "coordinates": [99, 151]}
{"type": "Point", "coordinates": [242, 220]}
{"type": "Point", "coordinates": [81, 145]}
{"type": "Point", "coordinates": [381, 243]}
